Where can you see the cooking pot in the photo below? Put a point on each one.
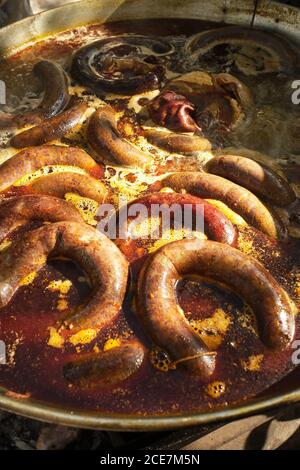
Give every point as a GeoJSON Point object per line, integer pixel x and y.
{"type": "Point", "coordinates": [270, 15]}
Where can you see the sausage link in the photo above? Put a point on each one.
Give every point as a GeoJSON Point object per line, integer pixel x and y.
{"type": "Point", "coordinates": [51, 129]}
{"type": "Point", "coordinates": [34, 158]}
{"type": "Point", "coordinates": [105, 368]}
{"type": "Point", "coordinates": [95, 253]}
{"type": "Point", "coordinates": [216, 225]}
{"type": "Point", "coordinates": [143, 76]}
{"type": "Point", "coordinates": [17, 211]}
{"type": "Point", "coordinates": [56, 97]}
{"type": "Point", "coordinates": [58, 184]}
{"type": "Point", "coordinates": [254, 176]}
{"type": "Point", "coordinates": [239, 199]}
{"type": "Point", "coordinates": [177, 143]}
{"type": "Point", "coordinates": [162, 317]}
{"type": "Point", "coordinates": [105, 139]}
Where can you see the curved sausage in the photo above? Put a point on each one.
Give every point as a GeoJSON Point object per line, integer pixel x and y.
{"type": "Point", "coordinates": [95, 65]}
{"type": "Point", "coordinates": [94, 252]}
{"type": "Point", "coordinates": [239, 199]}
{"type": "Point", "coordinates": [17, 211]}
{"type": "Point", "coordinates": [58, 184]}
{"type": "Point", "coordinates": [32, 159]}
{"type": "Point", "coordinates": [177, 143]}
{"type": "Point", "coordinates": [158, 308]}
{"type": "Point", "coordinates": [51, 129]}
{"type": "Point", "coordinates": [267, 51]}
{"type": "Point", "coordinates": [109, 145]}
{"type": "Point", "coordinates": [254, 176]}
{"type": "Point", "coordinates": [56, 97]}
{"type": "Point", "coordinates": [216, 225]}
{"type": "Point", "coordinates": [105, 368]}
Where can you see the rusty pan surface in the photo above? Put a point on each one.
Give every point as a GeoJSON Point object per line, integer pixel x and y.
{"type": "Point", "coordinates": [270, 15]}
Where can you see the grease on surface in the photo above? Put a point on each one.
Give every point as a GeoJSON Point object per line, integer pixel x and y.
{"type": "Point", "coordinates": [160, 359]}
{"type": "Point", "coordinates": [111, 343]}
{"type": "Point", "coordinates": [252, 363]}
{"type": "Point", "coordinates": [27, 179]}
{"type": "Point", "coordinates": [216, 389]}
{"type": "Point", "coordinates": [55, 339]}
{"type": "Point", "coordinates": [86, 206]}
{"type": "Point", "coordinates": [213, 329]}
{"type": "Point", "coordinates": [230, 214]}
{"type": "Point", "coordinates": [60, 286]}
{"type": "Point", "coordinates": [28, 279]}
{"type": "Point", "coordinates": [83, 337]}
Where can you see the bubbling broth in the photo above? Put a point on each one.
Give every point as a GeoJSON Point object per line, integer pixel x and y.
{"type": "Point", "coordinates": [266, 124]}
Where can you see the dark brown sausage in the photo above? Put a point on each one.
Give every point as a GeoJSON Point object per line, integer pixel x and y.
{"type": "Point", "coordinates": [58, 184]}
{"type": "Point", "coordinates": [158, 310]}
{"type": "Point", "coordinates": [95, 253]}
{"type": "Point", "coordinates": [239, 199]}
{"type": "Point", "coordinates": [18, 211]}
{"type": "Point", "coordinates": [105, 368]}
{"type": "Point", "coordinates": [56, 97]}
{"type": "Point", "coordinates": [177, 143]}
{"type": "Point", "coordinates": [33, 158]}
{"type": "Point", "coordinates": [254, 176]}
{"type": "Point", "coordinates": [51, 129]}
{"type": "Point", "coordinates": [109, 145]}
{"type": "Point", "coordinates": [162, 317]}
{"type": "Point", "coordinates": [143, 76]}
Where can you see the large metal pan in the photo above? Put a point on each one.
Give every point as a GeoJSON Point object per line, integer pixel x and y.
{"type": "Point", "coordinates": [269, 15]}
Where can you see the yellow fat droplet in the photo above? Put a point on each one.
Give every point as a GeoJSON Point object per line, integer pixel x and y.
{"type": "Point", "coordinates": [129, 188]}
{"type": "Point", "coordinates": [28, 279]}
{"type": "Point", "coordinates": [55, 340]}
{"type": "Point", "coordinates": [159, 359]}
{"type": "Point", "coordinates": [230, 214]}
{"type": "Point", "coordinates": [212, 329]}
{"type": "Point", "coordinates": [111, 343]}
{"type": "Point", "coordinates": [297, 286]}
{"type": "Point", "coordinates": [62, 304]}
{"type": "Point", "coordinates": [216, 389]}
{"type": "Point", "coordinates": [246, 246]}
{"type": "Point", "coordinates": [5, 244]}
{"type": "Point", "coordinates": [173, 235]}
{"type": "Point", "coordinates": [83, 337]}
{"type": "Point", "coordinates": [252, 363]}
{"type": "Point", "coordinates": [167, 190]}
{"type": "Point", "coordinates": [60, 286]}
{"type": "Point", "coordinates": [86, 206]}
{"type": "Point", "coordinates": [146, 228]}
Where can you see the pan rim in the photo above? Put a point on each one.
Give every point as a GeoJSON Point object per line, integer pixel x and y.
{"type": "Point", "coordinates": [55, 414]}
